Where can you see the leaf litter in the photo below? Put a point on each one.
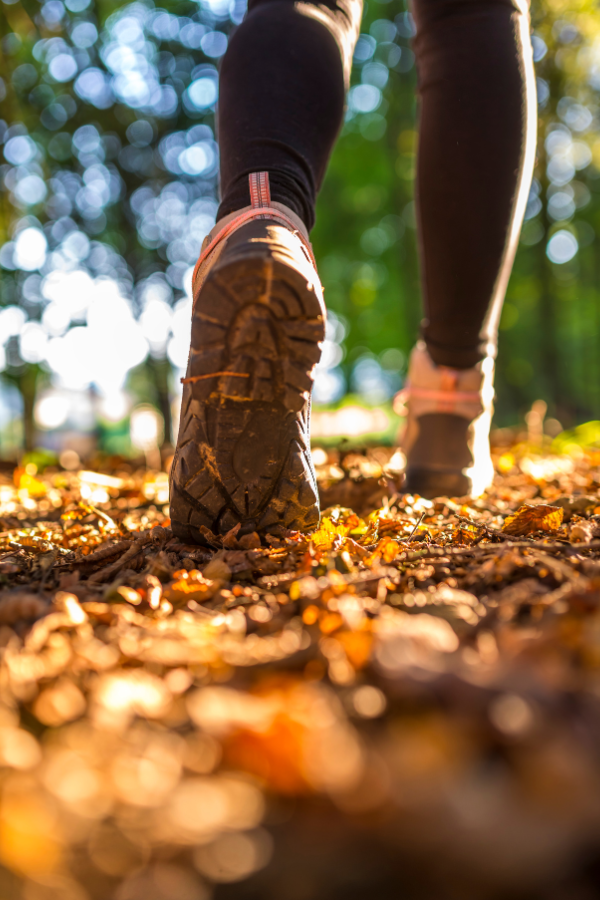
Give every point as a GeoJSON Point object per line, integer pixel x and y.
{"type": "Point", "coordinates": [422, 676]}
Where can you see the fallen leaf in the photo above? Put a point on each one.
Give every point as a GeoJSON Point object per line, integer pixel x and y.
{"type": "Point", "coordinates": [533, 518]}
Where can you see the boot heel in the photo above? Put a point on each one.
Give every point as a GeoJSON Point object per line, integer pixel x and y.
{"type": "Point", "coordinates": [243, 452]}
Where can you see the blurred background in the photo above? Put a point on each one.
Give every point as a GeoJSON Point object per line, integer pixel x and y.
{"type": "Point", "coordinates": [109, 183]}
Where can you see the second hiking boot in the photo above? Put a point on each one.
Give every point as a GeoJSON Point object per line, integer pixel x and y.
{"type": "Point", "coordinates": [243, 452]}
{"type": "Point", "coordinates": [446, 437]}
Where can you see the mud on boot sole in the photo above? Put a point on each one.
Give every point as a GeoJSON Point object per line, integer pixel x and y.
{"type": "Point", "coordinates": [243, 453]}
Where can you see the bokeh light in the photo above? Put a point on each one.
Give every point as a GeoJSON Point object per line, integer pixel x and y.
{"type": "Point", "coordinates": [562, 247]}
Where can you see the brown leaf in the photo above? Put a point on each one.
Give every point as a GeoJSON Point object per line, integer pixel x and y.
{"type": "Point", "coordinates": [463, 536]}
{"type": "Point", "coordinates": [249, 541]}
{"type": "Point", "coordinates": [230, 539]}
{"type": "Point", "coordinates": [68, 580]}
{"type": "Point", "coordinates": [20, 604]}
{"type": "Point", "coordinates": [213, 540]}
{"type": "Point", "coordinates": [237, 560]}
{"type": "Point", "coordinates": [533, 518]}
{"type": "Point", "coordinates": [217, 569]}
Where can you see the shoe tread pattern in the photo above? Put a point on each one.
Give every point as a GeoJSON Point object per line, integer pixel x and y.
{"type": "Point", "coordinates": [243, 452]}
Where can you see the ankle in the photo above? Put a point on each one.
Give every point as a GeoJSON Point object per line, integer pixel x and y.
{"type": "Point", "coordinates": [432, 388]}
{"type": "Point", "coordinates": [455, 357]}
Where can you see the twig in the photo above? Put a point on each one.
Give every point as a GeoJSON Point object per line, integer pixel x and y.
{"type": "Point", "coordinates": [134, 548]}
{"type": "Point", "coordinates": [103, 553]}
{"type": "Point", "coordinates": [414, 529]}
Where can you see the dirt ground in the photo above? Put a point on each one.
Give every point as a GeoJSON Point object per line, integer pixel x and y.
{"type": "Point", "coordinates": [404, 704]}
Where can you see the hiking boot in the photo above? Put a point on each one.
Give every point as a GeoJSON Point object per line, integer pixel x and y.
{"type": "Point", "coordinates": [446, 437]}
{"type": "Point", "coordinates": [243, 452]}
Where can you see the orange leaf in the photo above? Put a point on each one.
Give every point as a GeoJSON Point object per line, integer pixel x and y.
{"type": "Point", "coordinates": [387, 549]}
{"type": "Point", "coordinates": [189, 586]}
{"type": "Point", "coordinates": [357, 645]}
{"type": "Point", "coordinates": [330, 623]}
{"type": "Point", "coordinates": [310, 615]}
{"type": "Point", "coordinates": [274, 755]}
{"type": "Point", "coordinates": [463, 536]}
{"type": "Point", "coordinates": [533, 518]}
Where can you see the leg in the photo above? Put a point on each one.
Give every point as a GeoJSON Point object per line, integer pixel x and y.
{"type": "Point", "coordinates": [243, 454]}
{"type": "Point", "coordinates": [476, 153]}
{"type": "Point", "coordinates": [281, 102]}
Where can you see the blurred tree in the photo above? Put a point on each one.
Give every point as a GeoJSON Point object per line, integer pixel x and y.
{"type": "Point", "coordinates": [549, 345]}
{"type": "Point", "coordinates": [108, 185]}
{"type": "Point", "coordinates": [549, 330]}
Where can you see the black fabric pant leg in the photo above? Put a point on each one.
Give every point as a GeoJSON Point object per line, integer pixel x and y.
{"type": "Point", "coordinates": [281, 106]}
{"type": "Point", "coordinates": [475, 161]}
{"type": "Point", "coordinates": [282, 94]}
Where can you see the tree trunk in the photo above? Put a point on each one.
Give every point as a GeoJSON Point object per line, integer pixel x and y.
{"type": "Point", "coordinates": [160, 371]}
{"type": "Point", "coordinates": [27, 383]}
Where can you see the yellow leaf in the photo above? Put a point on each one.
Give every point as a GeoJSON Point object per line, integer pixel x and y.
{"type": "Point", "coordinates": [533, 518]}
{"type": "Point", "coordinates": [328, 533]}
{"type": "Point", "coordinates": [33, 486]}
{"type": "Point", "coordinates": [190, 587]}
{"type": "Point", "coordinates": [506, 463]}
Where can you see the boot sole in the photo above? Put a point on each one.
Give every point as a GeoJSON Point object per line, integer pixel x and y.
{"type": "Point", "coordinates": [243, 453]}
{"type": "Point", "coordinates": [431, 484]}
{"type": "Point", "coordinates": [439, 456]}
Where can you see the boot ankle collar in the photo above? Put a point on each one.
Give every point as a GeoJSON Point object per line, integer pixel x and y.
{"type": "Point", "coordinates": [432, 388]}
{"type": "Point", "coordinates": [262, 208]}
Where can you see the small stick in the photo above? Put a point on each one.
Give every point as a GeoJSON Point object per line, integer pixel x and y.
{"type": "Point", "coordinates": [103, 553]}
{"type": "Point", "coordinates": [134, 548]}
{"type": "Point", "coordinates": [414, 529]}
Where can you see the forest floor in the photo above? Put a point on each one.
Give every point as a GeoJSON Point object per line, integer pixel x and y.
{"type": "Point", "coordinates": [404, 703]}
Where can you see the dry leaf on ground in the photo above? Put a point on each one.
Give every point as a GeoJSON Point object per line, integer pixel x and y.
{"type": "Point", "coordinates": [528, 519]}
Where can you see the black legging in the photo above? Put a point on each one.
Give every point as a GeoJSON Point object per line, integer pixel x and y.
{"type": "Point", "coordinates": [282, 90]}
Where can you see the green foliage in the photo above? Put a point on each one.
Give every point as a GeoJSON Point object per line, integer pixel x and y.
{"type": "Point", "coordinates": [365, 236]}
{"type": "Point", "coordinates": [549, 332]}
{"type": "Point", "coordinates": [550, 325]}
{"type": "Point", "coordinates": [585, 436]}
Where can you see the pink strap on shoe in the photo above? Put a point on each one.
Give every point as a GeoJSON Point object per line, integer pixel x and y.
{"type": "Point", "coordinates": [444, 396]}
{"type": "Point", "coordinates": [260, 190]}
{"type": "Point", "coordinates": [260, 197]}
{"type": "Point", "coordinates": [446, 399]}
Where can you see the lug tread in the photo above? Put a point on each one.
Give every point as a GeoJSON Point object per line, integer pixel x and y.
{"type": "Point", "coordinates": [242, 452]}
